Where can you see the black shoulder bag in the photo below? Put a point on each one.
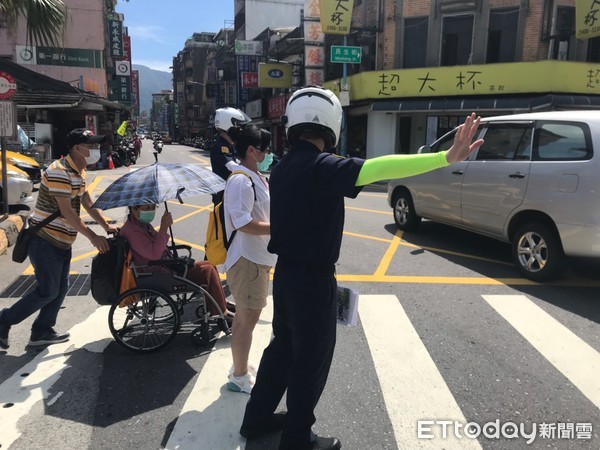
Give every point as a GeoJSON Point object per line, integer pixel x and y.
{"type": "Point", "coordinates": [19, 253]}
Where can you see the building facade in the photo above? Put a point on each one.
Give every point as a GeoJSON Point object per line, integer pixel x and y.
{"type": "Point", "coordinates": [435, 61]}
{"type": "Point", "coordinates": [88, 60]}
{"type": "Point", "coordinates": [191, 106]}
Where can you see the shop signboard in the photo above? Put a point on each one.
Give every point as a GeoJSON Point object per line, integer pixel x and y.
{"type": "Point", "coordinates": [115, 37]}
{"type": "Point", "coordinates": [336, 16]}
{"type": "Point", "coordinates": [275, 75]}
{"type": "Point", "coordinates": [50, 56]}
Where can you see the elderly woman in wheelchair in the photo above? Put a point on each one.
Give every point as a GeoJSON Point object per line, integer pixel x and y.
{"type": "Point", "coordinates": [148, 318]}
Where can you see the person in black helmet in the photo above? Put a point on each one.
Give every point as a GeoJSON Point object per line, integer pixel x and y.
{"type": "Point", "coordinates": [222, 150]}
{"type": "Point", "coordinates": [308, 187]}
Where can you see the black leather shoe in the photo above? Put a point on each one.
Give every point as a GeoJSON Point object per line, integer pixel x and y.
{"type": "Point", "coordinates": [326, 443]}
{"type": "Point", "coordinates": [273, 425]}
{"type": "Point", "coordinates": [320, 443]}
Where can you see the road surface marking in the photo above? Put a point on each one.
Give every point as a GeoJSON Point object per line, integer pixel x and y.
{"type": "Point", "coordinates": [412, 386]}
{"type": "Point", "coordinates": [212, 415]}
{"type": "Point", "coordinates": [385, 262]}
{"type": "Point", "coordinates": [566, 351]}
{"type": "Point", "coordinates": [44, 370]}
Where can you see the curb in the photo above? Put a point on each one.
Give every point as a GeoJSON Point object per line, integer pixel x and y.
{"type": "Point", "coordinates": [9, 230]}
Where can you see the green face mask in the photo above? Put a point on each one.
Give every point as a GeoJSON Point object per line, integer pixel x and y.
{"type": "Point", "coordinates": [265, 163]}
{"type": "Point", "coordinates": [147, 216]}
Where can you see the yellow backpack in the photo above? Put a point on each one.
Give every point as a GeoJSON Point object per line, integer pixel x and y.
{"type": "Point", "coordinates": [217, 243]}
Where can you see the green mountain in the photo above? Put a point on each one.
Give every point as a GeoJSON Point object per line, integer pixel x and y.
{"type": "Point", "coordinates": [152, 82]}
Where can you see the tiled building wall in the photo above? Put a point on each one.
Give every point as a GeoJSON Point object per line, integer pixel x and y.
{"type": "Point", "coordinates": [533, 46]}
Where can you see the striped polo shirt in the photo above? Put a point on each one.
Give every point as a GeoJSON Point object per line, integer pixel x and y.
{"type": "Point", "coordinates": [60, 179]}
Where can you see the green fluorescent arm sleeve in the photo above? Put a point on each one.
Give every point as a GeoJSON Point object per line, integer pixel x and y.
{"type": "Point", "coordinates": [399, 166]}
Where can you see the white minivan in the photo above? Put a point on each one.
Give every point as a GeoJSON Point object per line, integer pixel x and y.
{"type": "Point", "coordinates": [535, 183]}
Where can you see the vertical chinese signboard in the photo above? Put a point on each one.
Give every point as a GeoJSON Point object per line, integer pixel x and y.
{"type": "Point", "coordinates": [135, 91]}
{"type": "Point", "coordinates": [336, 16]}
{"type": "Point", "coordinates": [587, 19]}
{"type": "Point", "coordinates": [115, 36]}
{"type": "Point", "coordinates": [314, 47]}
{"type": "Point", "coordinates": [247, 54]}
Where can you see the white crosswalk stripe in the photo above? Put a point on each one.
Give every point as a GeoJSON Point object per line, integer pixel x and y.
{"type": "Point", "coordinates": [44, 370]}
{"type": "Point", "coordinates": [412, 387]}
{"type": "Point", "coordinates": [211, 407]}
{"type": "Point", "coordinates": [570, 354]}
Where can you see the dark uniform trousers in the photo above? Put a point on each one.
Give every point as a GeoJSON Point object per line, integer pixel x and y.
{"type": "Point", "coordinates": [299, 356]}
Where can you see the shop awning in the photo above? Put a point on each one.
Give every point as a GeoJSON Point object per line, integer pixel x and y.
{"type": "Point", "coordinates": [38, 91]}
{"type": "Point", "coordinates": [520, 103]}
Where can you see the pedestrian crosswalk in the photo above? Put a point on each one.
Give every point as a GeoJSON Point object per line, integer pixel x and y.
{"type": "Point", "coordinates": [416, 395]}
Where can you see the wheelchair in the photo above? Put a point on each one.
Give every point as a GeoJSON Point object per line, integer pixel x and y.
{"type": "Point", "coordinates": [146, 318]}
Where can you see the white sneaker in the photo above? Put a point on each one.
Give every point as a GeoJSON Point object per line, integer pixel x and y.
{"type": "Point", "coordinates": [245, 383]}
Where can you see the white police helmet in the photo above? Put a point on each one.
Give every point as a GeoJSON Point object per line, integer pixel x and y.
{"type": "Point", "coordinates": [313, 108]}
{"type": "Point", "coordinates": [225, 118]}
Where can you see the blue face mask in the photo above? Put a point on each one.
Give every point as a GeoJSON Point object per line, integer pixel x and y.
{"type": "Point", "coordinates": [147, 216]}
{"type": "Point", "coordinates": [265, 163]}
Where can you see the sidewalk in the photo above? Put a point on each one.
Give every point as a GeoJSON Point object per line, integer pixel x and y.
{"type": "Point", "coordinates": [9, 230]}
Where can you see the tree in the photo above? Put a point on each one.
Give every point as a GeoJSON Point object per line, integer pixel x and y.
{"type": "Point", "coordinates": [46, 19]}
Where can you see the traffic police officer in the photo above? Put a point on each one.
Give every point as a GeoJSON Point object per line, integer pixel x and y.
{"type": "Point", "coordinates": [222, 151]}
{"type": "Point", "coordinates": [308, 187]}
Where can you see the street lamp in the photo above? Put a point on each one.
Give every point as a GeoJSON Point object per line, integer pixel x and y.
{"type": "Point", "coordinates": [195, 82]}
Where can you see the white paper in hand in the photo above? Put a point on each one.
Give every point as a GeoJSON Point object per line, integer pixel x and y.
{"type": "Point", "coordinates": [347, 306]}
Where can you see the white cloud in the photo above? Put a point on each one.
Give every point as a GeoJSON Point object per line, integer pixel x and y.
{"type": "Point", "coordinates": [147, 32]}
{"type": "Point", "coordinates": [154, 64]}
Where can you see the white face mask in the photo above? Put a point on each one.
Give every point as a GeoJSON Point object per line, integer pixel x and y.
{"type": "Point", "coordinates": [94, 156]}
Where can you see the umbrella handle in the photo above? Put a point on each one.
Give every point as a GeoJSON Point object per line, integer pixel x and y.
{"type": "Point", "coordinates": [178, 195]}
{"type": "Point", "coordinates": [170, 229]}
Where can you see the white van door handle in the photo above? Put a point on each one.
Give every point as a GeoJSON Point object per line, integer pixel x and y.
{"type": "Point", "coordinates": [458, 172]}
{"type": "Point", "coordinates": [517, 175]}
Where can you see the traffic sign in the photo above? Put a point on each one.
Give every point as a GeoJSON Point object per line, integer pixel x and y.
{"type": "Point", "coordinates": [8, 122]}
{"type": "Point", "coordinates": [346, 54]}
{"type": "Point", "coordinates": [8, 86]}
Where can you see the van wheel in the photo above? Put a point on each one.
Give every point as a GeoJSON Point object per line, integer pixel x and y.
{"type": "Point", "coordinates": [404, 211]}
{"type": "Point", "coordinates": [538, 253]}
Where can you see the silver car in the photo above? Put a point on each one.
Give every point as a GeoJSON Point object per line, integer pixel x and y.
{"type": "Point", "coordinates": [535, 183]}
{"type": "Point", "coordinates": [19, 185]}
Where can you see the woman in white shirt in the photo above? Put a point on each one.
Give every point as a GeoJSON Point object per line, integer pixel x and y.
{"type": "Point", "coordinates": [248, 263]}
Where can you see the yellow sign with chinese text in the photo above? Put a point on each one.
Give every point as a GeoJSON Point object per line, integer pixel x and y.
{"type": "Point", "coordinates": [587, 19]}
{"type": "Point", "coordinates": [274, 75]}
{"type": "Point", "coordinates": [336, 16]}
{"type": "Point", "coordinates": [489, 79]}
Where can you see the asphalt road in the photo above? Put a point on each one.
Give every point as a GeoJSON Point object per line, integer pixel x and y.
{"type": "Point", "coordinates": [448, 334]}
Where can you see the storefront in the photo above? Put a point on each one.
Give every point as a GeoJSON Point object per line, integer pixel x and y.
{"type": "Point", "coordinates": [405, 109]}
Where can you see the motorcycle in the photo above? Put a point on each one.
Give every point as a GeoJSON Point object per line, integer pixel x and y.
{"type": "Point", "coordinates": [158, 146]}
{"type": "Point", "coordinates": [123, 157]}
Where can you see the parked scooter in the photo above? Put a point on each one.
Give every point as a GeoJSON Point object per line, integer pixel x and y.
{"type": "Point", "coordinates": [122, 157]}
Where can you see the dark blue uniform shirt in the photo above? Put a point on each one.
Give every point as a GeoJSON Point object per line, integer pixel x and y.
{"type": "Point", "coordinates": [307, 205]}
{"type": "Point", "coordinates": [220, 154]}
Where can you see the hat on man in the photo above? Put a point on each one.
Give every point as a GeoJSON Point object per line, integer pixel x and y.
{"type": "Point", "coordinates": [83, 136]}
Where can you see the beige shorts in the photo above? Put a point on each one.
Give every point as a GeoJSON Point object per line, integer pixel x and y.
{"type": "Point", "coordinates": [249, 284]}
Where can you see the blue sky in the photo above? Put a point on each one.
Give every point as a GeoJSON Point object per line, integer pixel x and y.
{"type": "Point", "coordinates": [159, 28]}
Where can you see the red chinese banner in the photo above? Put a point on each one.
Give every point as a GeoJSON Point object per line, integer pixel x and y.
{"type": "Point", "coordinates": [276, 106]}
{"type": "Point", "coordinates": [127, 48]}
{"type": "Point", "coordinates": [249, 79]}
